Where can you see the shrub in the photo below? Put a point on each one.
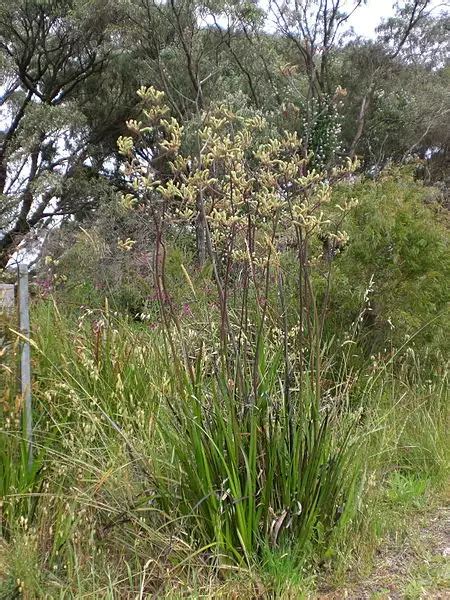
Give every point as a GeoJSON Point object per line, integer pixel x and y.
{"type": "Point", "coordinates": [398, 247]}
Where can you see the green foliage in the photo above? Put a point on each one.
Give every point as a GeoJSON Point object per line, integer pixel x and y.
{"type": "Point", "coordinates": [60, 57]}
{"type": "Point", "coordinates": [53, 50]}
{"type": "Point", "coordinates": [19, 479]}
{"type": "Point", "coordinates": [231, 393]}
{"type": "Point", "coordinates": [159, 480]}
{"type": "Point", "coordinates": [270, 473]}
{"type": "Point", "coordinates": [100, 263]}
{"type": "Point", "coordinates": [399, 243]}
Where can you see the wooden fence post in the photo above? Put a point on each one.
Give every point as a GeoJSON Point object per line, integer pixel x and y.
{"type": "Point", "coordinates": [25, 358]}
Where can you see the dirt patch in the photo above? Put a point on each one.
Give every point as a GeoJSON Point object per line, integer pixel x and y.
{"type": "Point", "coordinates": [415, 568]}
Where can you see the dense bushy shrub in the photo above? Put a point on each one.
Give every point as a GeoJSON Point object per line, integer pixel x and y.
{"type": "Point", "coordinates": [399, 249]}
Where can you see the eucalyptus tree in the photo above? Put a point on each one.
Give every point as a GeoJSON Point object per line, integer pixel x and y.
{"type": "Point", "coordinates": [59, 109]}
{"type": "Point", "coordinates": [199, 51]}
{"type": "Point", "coordinates": [398, 87]}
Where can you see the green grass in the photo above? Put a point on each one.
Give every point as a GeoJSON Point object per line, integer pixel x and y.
{"type": "Point", "coordinates": [154, 475]}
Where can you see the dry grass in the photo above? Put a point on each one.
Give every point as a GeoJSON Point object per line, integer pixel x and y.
{"type": "Point", "coordinates": [411, 564]}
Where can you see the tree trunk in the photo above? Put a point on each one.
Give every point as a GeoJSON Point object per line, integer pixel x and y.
{"type": "Point", "coordinates": [360, 122]}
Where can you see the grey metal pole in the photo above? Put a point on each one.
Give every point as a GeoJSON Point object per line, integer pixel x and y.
{"type": "Point", "coordinates": [25, 357]}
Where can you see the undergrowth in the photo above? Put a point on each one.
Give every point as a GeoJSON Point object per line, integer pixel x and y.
{"type": "Point", "coordinates": [237, 444]}
{"type": "Point", "coordinates": [153, 478]}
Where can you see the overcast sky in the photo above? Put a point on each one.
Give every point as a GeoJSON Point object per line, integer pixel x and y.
{"type": "Point", "coordinates": [368, 17]}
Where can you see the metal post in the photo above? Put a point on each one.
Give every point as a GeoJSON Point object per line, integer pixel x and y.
{"type": "Point", "coordinates": [25, 357]}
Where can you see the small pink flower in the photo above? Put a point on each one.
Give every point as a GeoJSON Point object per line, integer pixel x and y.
{"type": "Point", "coordinates": [186, 310]}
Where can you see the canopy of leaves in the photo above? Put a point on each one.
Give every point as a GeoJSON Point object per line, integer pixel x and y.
{"type": "Point", "coordinates": [70, 70]}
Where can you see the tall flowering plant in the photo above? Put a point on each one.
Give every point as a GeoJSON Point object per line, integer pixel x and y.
{"type": "Point", "coordinates": [247, 192]}
{"type": "Point", "coordinates": [253, 450]}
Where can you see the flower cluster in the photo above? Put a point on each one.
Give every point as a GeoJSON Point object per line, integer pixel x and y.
{"type": "Point", "coordinates": [250, 191]}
